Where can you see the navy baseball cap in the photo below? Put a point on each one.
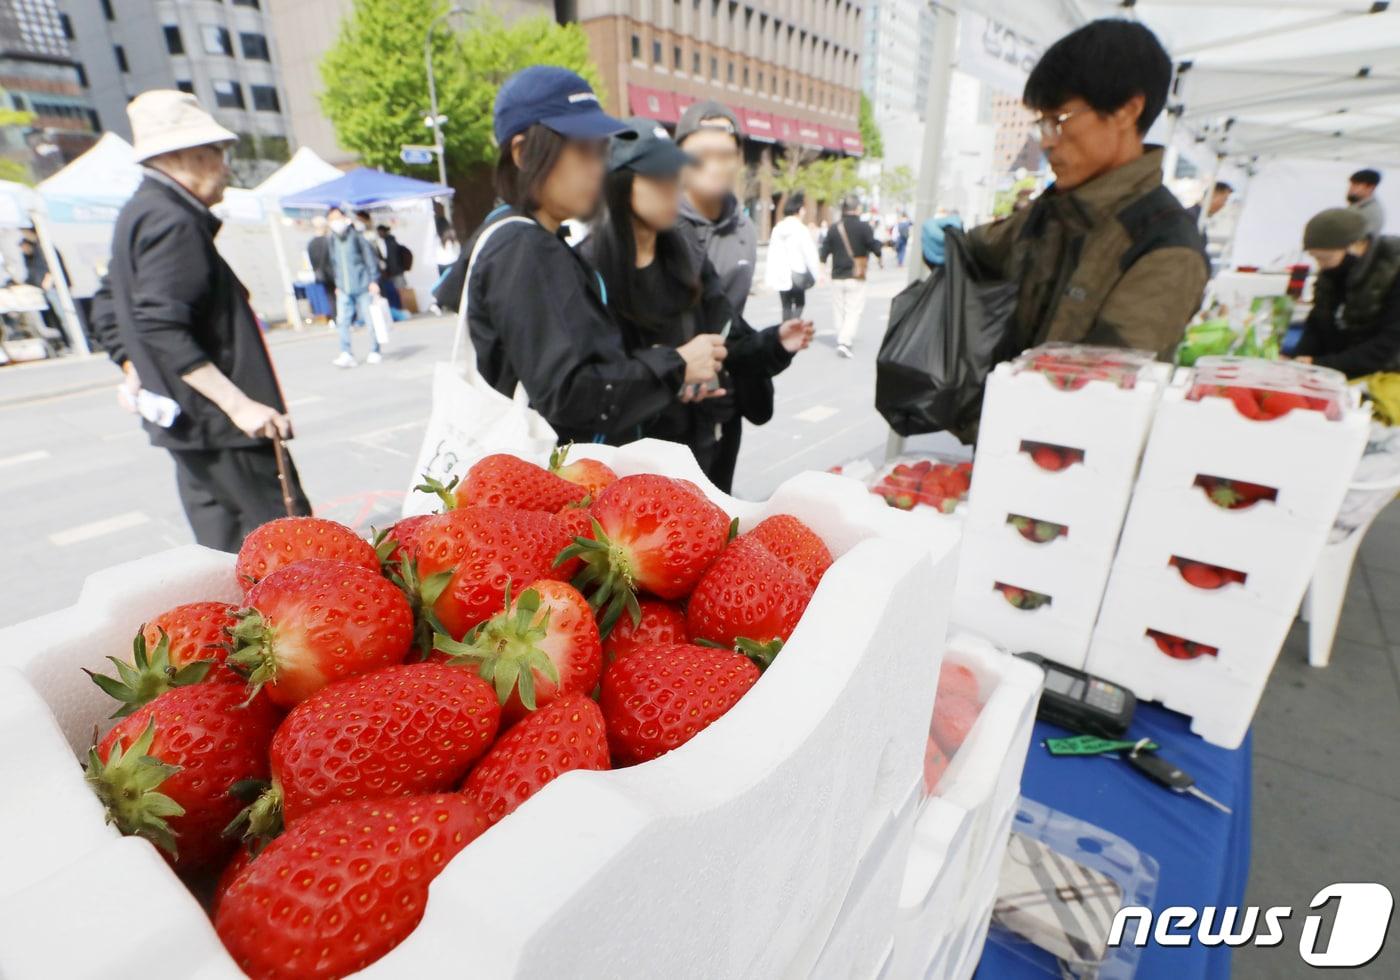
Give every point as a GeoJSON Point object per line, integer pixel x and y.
{"type": "Point", "coordinates": [651, 152]}
{"type": "Point", "coordinates": [556, 98]}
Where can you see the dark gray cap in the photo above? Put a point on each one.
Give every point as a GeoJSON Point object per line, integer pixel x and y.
{"type": "Point", "coordinates": [709, 114]}
{"type": "Point", "coordinates": [652, 153]}
{"type": "Point", "coordinates": [1334, 228]}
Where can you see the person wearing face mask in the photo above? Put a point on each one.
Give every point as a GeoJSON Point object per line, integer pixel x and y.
{"type": "Point", "coordinates": [1106, 255]}
{"type": "Point", "coordinates": [536, 311]}
{"type": "Point", "coordinates": [1354, 325]}
{"type": "Point", "coordinates": [1361, 195]}
{"type": "Point", "coordinates": [355, 265]}
{"type": "Point", "coordinates": [660, 294]}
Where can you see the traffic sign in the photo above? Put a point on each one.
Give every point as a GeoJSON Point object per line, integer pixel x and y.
{"type": "Point", "coordinates": [416, 154]}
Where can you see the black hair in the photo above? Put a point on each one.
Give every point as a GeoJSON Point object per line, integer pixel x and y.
{"type": "Point", "coordinates": [1372, 178]}
{"type": "Point", "coordinates": [614, 254]}
{"type": "Point", "coordinates": [363, 216]}
{"type": "Point", "coordinates": [1105, 63]}
{"type": "Point", "coordinates": [794, 204]}
{"type": "Point", "coordinates": [335, 207]}
{"type": "Point", "coordinates": [1221, 185]}
{"type": "Point", "coordinates": [519, 184]}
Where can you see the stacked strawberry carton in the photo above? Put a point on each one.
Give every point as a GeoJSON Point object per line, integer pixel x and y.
{"type": "Point", "coordinates": [1062, 431]}
{"type": "Point", "coordinates": [1246, 467]}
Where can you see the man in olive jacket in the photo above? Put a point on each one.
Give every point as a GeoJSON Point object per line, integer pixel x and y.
{"type": "Point", "coordinates": [1107, 255]}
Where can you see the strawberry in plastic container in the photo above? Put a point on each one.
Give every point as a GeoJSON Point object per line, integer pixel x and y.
{"type": "Point", "coordinates": [1050, 457]}
{"type": "Point", "coordinates": [955, 710]}
{"type": "Point", "coordinates": [1070, 367]}
{"type": "Point", "coordinates": [1266, 390]}
{"type": "Point", "coordinates": [1179, 648]}
{"type": "Point", "coordinates": [1203, 575]}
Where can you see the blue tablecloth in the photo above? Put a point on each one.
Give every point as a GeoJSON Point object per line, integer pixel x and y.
{"type": "Point", "coordinates": [1203, 854]}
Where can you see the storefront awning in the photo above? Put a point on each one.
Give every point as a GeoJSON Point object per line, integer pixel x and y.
{"type": "Point", "coordinates": [851, 143]}
{"type": "Point", "coordinates": [809, 133]}
{"type": "Point", "coordinates": [653, 104]}
{"type": "Point", "coordinates": [831, 138]}
{"type": "Point", "coordinates": [785, 129]}
{"type": "Point", "coordinates": [759, 125]}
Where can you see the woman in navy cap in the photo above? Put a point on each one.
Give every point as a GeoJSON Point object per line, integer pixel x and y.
{"type": "Point", "coordinates": [536, 312]}
{"type": "Point", "coordinates": [663, 293]}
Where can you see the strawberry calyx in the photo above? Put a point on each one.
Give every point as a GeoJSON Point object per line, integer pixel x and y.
{"type": "Point", "coordinates": [558, 456]}
{"type": "Point", "coordinates": [505, 649]}
{"type": "Point", "coordinates": [606, 578]}
{"type": "Point", "coordinates": [148, 676]}
{"type": "Point", "coordinates": [261, 820]}
{"type": "Point", "coordinates": [761, 652]}
{"type": "Point", "coordinates": [1224, 495]}
{"type": "Point", "coordinates": [254, 655]}
{"type": "Point", "coordinates": [127, 784]}
{"type": "Point", "coordinates": [422, 595]}
{"type": "Point", "coordinates": [443, 491]}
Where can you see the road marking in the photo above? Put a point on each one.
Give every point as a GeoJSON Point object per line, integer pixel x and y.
{"type": "Point", "coordinates": [305, 400]}
{"type": "Point", "coordinates": [96, 529]}
{"type": "Point", "coordinates": [817, 413]}
{"type": "Point", "coordinates": [22, 458]}
{"type": "Point", "coordinates": [129, 434]}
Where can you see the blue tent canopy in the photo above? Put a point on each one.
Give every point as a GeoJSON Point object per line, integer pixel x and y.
{"type": "Point", "coordinates": [364, 187]}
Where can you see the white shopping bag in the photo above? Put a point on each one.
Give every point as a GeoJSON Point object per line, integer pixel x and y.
{"type": "Point", "coordinates": [470, 419]}
{"type": "Point", "coordinates": [380, 317]}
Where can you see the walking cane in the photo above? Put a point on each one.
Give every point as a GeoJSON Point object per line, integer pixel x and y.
{"type": "Point", "coordinates": [282, 473]}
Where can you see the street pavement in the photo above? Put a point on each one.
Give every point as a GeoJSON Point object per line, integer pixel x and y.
{"type": "Point", "coordinates": [83, 488]}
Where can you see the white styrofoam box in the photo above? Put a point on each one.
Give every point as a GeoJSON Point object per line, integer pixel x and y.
{"type": "Point", "coordinates": [1107, 422]}
{"type": "Point", "coordinates": [1219, 699]}
{"type": "Point", "coordinates": [1308, 458]}
{"type": "Point", "coordinates": [960, 837]}
{"type": "Point", "coordinates": [1060, 564]}
{"type": "Point", "coordinates": [728, 850]}
{"type": "Point", "coordinates": [1091, 540]}
{"type": "Point", "coordinates": [1075, 496]}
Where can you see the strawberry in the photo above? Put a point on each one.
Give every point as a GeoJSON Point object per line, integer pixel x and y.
{"type": "Point", "coordinates": [1201, 575]}
{"type": "Point", "coordinates": [573, 521]}
{"type": "Point", "coordinates": [503, 480]}
{"type": "Point", "coordinates": [184, 645]}
{"type": "Point", "coordinates": [1274, 404]}
{"type": "Point", "coordinates": [795, 545]}
{"type": "Point", "coordinates": [482, 549]}
{"type": "Point", "coordinates": [542, 646]}
{"type": "Point", "coordinates": [396, 540]}
{"type": "Point", "coordinates": [399, 731]}
{"type": "Point", "coordinates": [649, 533]}
{"type": "Point", "coordinates": [1048, 458]}
{"type": "Point", "coordinates": [590, 474]}
{"type": "Point", "coordinates": [343, 886]}
{"type": "Point", "coordinates": [956, 680]}
{"type": "Point", "coordinates": [1246, 401]}
{"type": "Point", "coordinates": [288, 540]}
{"type": "Point", "coordinates": [953, 718]}
{"type": "Point", "coordinates": [1023, 598]}
{"type": "Point", "coordinates": [242, 857]}
{"type": "Point", "coordinates": [319, 621]}
{"type": "Point", "coordinates": [904, 501]}
{"type": "Point", "coordinates": [935, 765]}
{"type": "Point", "coordinates": [165, 772]}
{"type": "Point", "coordinates": [748, 599]}
{"type": "Point", "coordinates": [564, 735]}
{"type": "Point", "coordinates": [661, 623]}
{"type": "Point", "coordinates": [658, 698]}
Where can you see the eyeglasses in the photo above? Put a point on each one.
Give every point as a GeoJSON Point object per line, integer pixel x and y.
{"type": "Point", "coordinates": [1051, 127]}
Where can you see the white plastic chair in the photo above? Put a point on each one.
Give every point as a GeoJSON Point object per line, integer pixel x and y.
{"type": "Point", "coordinates": [1322, 606]}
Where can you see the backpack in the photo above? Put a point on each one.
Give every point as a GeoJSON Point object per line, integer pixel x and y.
{"type": "Point", "coordinates": [405, 258]}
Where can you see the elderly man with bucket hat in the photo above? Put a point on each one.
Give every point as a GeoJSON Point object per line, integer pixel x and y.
{"type": "Point", "coordinates": [1354, 326]}
{"type": "Point", "coordinates": [185, 329]}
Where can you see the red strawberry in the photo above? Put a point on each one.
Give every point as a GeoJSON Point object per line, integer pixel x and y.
{"type": "Point", "coordinates": [1200, 575]}
{"type": "Point", "coordinates": [184, 645]}
{"type": "Point", "coordinates": [748, 599]}
{"type": "Point", "coordinates": [1274, 404]}
{"type": "Point", "coordinates": [650, 533]}
{"type": "Point", "coordinates": [543, 645]}
{"type": "Point", "coordinates": [564, 735]}
{"type": "Point", "coordinates": [661, 624]}
{"type": "Point", "coordinates": [236, 865]}
{"type": "Point", "coordinates": [1246, 401]}
{"type": "Point", "coordinates": [319, 621]}
{"type": "Point", "coordinates": [935, 765]}
{"type": "Point", "coordinates": [574, 521]}
{"type": "Point", "coordinates": [658, 698]}
{"type": "Point", "coordinates": [396, 541]}
{"type": "Point", "coordinates": [165, 773]}
{"type": "Point", "coordinates": [590, 474]}
{"type": "Point", "coordinates": [955, 680]}
{"type": "Point", "coordinates": [484, 549]}
{"type": "Point", "coordinates": [503, 480]}
{"type": "Point", "coordinates": [400, 731]}
{"type": "Point", "coordinates": [288, 540]}
{"type": "Point", "coordinates": [343, 886]}
{"type": "Point", "coordinates": [795, 545]}
{"type": "Point", "coordinates": [1048, 458]}
{"type": "Point", "coordinates": [953, 718]}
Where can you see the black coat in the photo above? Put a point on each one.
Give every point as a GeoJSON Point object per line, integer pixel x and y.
{"type": "Point", "coordinates": [537, 316]}
{"type": "Point", "coordinates": [318, 252]}
{"type": "Point", "coordinates": [177, 307]}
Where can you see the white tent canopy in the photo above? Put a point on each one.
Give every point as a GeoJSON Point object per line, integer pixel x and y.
{"type": "Point", "coordinates": [16, 202]}
{"type": "Point", "coordinates": [93, 187]}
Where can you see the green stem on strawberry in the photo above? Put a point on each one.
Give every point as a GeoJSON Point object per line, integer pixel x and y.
{"type": "Point", "coordinates": [261, 820]}
{"type": "Point", "coordinates": [761, 652]}
{"type": "Point", "coordinates": [558, 456]}
{"type": "Point", "coordinates": [443, 491]}
{"type": "Point", "coordinates": [254, 655]}
{"type": "Point", "coordinates": [127, 786]}
{"type": "Point", "coordinates": [606, 578]}
{"type": "Point", "coordinates": [148, 676]}
{"type": "Point", "coordinates": [422, 595]}
{"type": "Point", "coordinates": [505, 649]}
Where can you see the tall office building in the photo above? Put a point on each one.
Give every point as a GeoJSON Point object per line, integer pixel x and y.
{"type": "Point", "coordinates": [39, 75]}
{"type": "Point", "coordinates": [223, 53]}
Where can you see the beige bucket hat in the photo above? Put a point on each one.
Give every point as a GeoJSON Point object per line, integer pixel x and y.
{"type": "Point", "coordinates": [165, 120]}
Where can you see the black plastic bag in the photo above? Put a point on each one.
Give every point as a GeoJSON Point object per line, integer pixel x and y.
{"type": "Point", "coordinates": [945, 335]}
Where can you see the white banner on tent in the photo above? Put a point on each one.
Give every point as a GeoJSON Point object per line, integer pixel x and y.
{"type": "Point", "coordinates": [1001, 54]}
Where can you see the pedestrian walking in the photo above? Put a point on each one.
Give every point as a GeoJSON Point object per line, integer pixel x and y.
{"type": "Point", "coordinates": [394, 261]}
{"type": "Point", "coordinates": [1361, 195]}
{"type": "Point", "coordinates": [902, 229]}
{"type": "Point", "coordinates": [535, 308]}
{"type": "Point", "coordinates": [662, 293]}
{"type": "Point", "coordinates": [186, 334]}
{"type": "Point", "coordinates": [355, 264]}
{"type": "Point", "coordinates": [318, 256]}
{"type": "Point", "coordinates": [849, 244]}
{"type": "Point", "coordinates": [37, 273]}
{"type": "Point", "coordinates": [793, 266]}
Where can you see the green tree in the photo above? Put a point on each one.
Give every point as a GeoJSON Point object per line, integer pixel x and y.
{"type": "Point", "coordinates": [376, 85]}
{"type": "Point", "coordinates": [870, 129]}
{"type": "Point", "coordinates": [896, 186]}
{"type": "Point", "coordinates": [15, 170]}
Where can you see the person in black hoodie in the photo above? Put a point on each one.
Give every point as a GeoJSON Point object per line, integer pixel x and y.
{"type": "Point", "coordinates": [662, 295]}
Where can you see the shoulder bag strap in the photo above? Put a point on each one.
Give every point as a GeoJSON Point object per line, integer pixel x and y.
{"type": "Point", "coordinates": [845, 239]}
{"type": "Point", "coordinates": [460, 345]}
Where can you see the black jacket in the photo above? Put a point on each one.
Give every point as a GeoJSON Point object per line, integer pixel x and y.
{"type": "Point", "coordinates": [1354, 326]}
{"type": "Point", "coordinates": [392, 256]}
{"type": "Point", "coordinates": [318, 252]}
{"type": "Point", "coordinates": [177, 307]}
{"type": "Point", "coordinates": [538, 317]}
{"type": "Point", "coordinates": [863, 242]}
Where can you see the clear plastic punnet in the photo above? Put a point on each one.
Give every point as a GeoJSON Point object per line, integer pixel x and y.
{"type": "Point", "coordinates": [1069, 367]}
{"type": "Point", "coordinates": [1265, 390]}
